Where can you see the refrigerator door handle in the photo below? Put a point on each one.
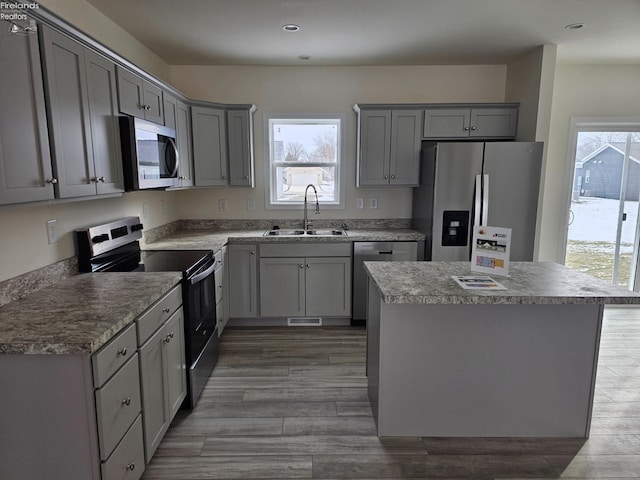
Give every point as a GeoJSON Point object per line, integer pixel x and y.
{"type": "Point", "coordinates": [478, 202]}
{"type": "Point", "coordinates": [485, 200]}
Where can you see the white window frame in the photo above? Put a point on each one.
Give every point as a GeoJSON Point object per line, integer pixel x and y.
{"type": "Point", "coordinates": [270, 202]}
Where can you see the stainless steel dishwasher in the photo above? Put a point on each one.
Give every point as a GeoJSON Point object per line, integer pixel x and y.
{"type": "Point", "coordinates": [376, 252]}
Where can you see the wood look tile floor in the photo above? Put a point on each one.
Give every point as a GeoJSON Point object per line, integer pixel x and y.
{"type": "Point", "coordinates": [289, 403]}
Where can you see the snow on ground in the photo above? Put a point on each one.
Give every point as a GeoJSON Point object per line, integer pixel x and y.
{"type": "Point", "coordinates": [596, 219]}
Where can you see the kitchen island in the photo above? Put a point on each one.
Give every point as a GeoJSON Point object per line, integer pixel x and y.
{"type": "Point", "coordinates": [520, 362]}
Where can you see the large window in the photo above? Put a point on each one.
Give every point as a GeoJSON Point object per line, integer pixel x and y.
{"type": "Point", "coordinates": [302, 151]}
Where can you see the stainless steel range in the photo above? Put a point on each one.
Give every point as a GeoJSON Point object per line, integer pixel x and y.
{"type": "Point", "coordinates": [114, 247]}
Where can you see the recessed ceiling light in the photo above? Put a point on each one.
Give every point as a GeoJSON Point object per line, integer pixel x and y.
{"type": "Point", "coordinates": [574, 26]}
{"type": "Point", "coordinates": [304, 57]}
{"type": "Point", "coordinates": [290, 27]}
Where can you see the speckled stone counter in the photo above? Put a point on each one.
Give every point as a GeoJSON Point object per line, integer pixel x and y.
{"type": "Point", "coordinates": [214, 240]}
{"type": "Point", "coordinates": [528, 283]}
{"type": "Point", "coordinates": [520, 362]}
{"type": "Point", "coordinates": [80, 314]}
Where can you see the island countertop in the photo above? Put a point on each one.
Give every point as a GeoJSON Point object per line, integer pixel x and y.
{"type": "Point", "coordinates": [80, 314]}
{"type": "Point", "coordinates": [528, 283]}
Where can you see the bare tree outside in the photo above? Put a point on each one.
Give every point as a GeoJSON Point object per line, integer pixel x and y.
{"type": "Point", "coordinates": [589, 142]}
{"type": "Point", "coordinates": [295, 152]}
{"type": "Point", "coordinates": [325, 146]}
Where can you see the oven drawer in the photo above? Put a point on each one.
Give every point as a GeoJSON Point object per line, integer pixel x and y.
{"type": "Point", "coordinates": [159, 313]}
{"type": "Point", "coordinates": [113, 355]}
{"type": "Point", "coordinates": [118, 403]}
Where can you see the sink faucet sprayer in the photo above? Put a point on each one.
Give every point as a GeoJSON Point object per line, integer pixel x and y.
{"type": "Point", "coordinates": [306, 217]}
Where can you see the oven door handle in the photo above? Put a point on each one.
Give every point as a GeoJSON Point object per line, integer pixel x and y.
{"type": "Point", "coordinates": [200, 276]}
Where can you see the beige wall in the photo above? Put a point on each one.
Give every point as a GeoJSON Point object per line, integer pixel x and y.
{"type": "Point", "coordinates": [326, 90]}
{"type": "Point", "coordinates": [585, 91]}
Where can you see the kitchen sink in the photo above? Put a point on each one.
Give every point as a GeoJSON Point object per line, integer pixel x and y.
{"type": "Point", "coordinates": [318, 232]}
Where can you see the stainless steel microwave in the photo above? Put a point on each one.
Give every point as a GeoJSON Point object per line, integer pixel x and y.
{"type": "Point", "coordinates": [149, 154]}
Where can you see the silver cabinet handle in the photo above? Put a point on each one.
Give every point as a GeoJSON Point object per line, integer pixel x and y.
{"type": "Point", "coordinates": [126, 401]}
{"type": "Point", "coordinates": [131, 467]}
{"type": "Point", "coordinates": [122, 351]}
{"type": "Point", "coordinates": [52, 181]}
{"type": "Point", "coordinates": [166, 309]}
{"type": "Point", "coordinates": [182, 177]}
{"type": "Point", "coordinates": [168, 338]}
{"type": "Point", "coordinates": [97, 179]}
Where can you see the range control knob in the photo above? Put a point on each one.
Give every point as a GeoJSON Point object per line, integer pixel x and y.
{"type": "Point", "coordinates": [100, 238]}
{"type": "Point", "coordinates": [136, 227]}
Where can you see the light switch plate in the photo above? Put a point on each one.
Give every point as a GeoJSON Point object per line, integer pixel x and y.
{"type": "Point", "coordinates": [222, 205]}
{"type": "Point", "coordinates": [359, 203]}
{"type": "Point", "coordinates": [251, 204]}
{"type": "Point", "coordinates": [373, 203]}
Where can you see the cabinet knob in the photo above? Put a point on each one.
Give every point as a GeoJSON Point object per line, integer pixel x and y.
{"type": "Point", "coordinates": [182, 177]}
{"type": "Point", "coordinates": [131, 467]}
{"type": "Point", "coordinates": [466, 129]}
{"type": "Point", "coordinates": [52, 181]}
{"type": "Point", "coordinates": [122, 351]}
{"type": "Point", "coordinates": [474, 128]}
{"type": "Point", "coordinates": [393, 176]}
{"type": "Point", "coordinates": [168, 338]}
{"type": "Point", "coordinates": [246, 177]}
{"type": "Point", "coordinates": [252, 252]}
{"type": "Point", "coordinates": [308, 266]}
{"type": "Point", "coordinates": [166, 309]}
{"type": "Point", "coordinates": [97, 179]}
{"type": "Point", "coordinates": [301, 265]}
{"type": "Point", "coordinates": [126, 401]}
{"type": "Point", "coordinates": [224, 177]}
{"type": "Point", "coordinates": [386, 177]}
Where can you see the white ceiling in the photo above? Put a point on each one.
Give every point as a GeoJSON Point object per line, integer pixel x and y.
{"type": "Point", "coordinates": [378, 32]}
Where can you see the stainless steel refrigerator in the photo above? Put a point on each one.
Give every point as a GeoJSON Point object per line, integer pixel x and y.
{"type": "Point", "coordinates": [464, 184]}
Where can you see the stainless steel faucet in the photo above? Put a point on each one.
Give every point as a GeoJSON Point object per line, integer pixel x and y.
{"type": "Point", "coordinates": [306, 216]}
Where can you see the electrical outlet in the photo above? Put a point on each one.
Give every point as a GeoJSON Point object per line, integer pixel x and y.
{"type": "Point", "coordinates": [222, 205]}
{"type": "Point", "coordinates": [373, 203]}
{"type": "Point", "coordinates": [251, 204]}
{"type": "Point", "coordinates": [359, 203]}
{"type": "Point", "coordinates": [52, 231]}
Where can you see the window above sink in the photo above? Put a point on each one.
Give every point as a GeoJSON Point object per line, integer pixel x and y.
{"type": "Point", "coordinates": [303, 150]}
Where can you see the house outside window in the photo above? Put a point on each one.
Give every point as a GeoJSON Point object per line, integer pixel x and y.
{"type": "Point", "coordinates": [304, 150]}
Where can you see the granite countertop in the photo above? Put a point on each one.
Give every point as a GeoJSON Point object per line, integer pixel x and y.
{"type": "Point", "coordinates": [214, 240]}
{"type": "Point", "coordinates": [80, 314]}
{"type": "Point", "coordinates": [528, 283]}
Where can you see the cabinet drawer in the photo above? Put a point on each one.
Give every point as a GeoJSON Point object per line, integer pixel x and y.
{"type": "Point", "coordinates": [113, 355]}
{"type": "Point", "coordinates": [127, 460]}
{"type": "Point", "coordinates": [117, 405]}
{"type": "Point", "coordinates": [159, 313]}
{"type": "Point", "coordinates": [342, 249]}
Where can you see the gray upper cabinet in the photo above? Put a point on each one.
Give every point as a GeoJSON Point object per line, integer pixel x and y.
{"type": "Point", "coordinates": [80, 88]}
{"type": "Point", "coordinates": [105, 134]}
{"type": "Point", "coordinates": [389, 147]}
{"type": "Point", "coordinates": [478, 123]}
{"type": "Point", "coordinates": [139, 98]}
{"type": "Point", "coordinates": [177, 115]}
{"type": "Point", "coordinates": [25, 165]}
{"type": "Point", "coordinates": [239, 136]}
{"type": "Point", "coordinates": [209, 146]}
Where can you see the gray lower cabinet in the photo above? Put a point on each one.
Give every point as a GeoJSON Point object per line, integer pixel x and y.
{"type": "Point", "coordinates": [163, 380]}
{"type": "Point", "coordinates": [209, 147]}
{"type": "Point", "coordinates": [139, 98]}
{"type": "Point", "coordinates": [25, 159]}
{"type": "Point", "coordinates": [82, 109]}
{"type": "Point", "coordinates": [316, 286]}
{"type": "Point", "coordinates": [243, 280]}
{"type": "Point", "coordinates": [478, 123]}
{"type": "Point", "coordinates": [389, 147]}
